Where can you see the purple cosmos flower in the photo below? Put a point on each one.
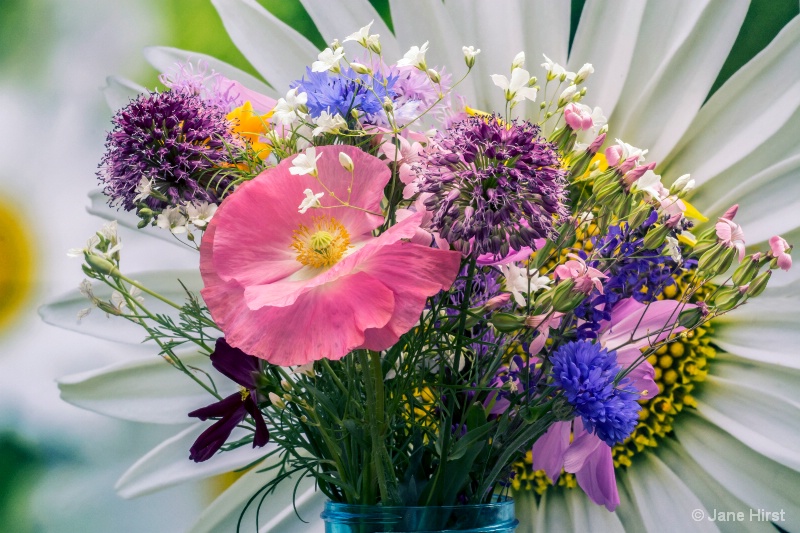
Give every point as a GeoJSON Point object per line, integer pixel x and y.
{"type": "Point", "coordinates": [497, 186]}
{"type": "Point", "coordinates": [586, 372]}
{"type": "Point", "coordinates": [231, 411]}
{"type": "Point", "coordinates": [172, 139]}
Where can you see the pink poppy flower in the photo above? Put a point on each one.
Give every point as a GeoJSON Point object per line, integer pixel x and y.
{"type": "Point", "coordinates": [293, 287]}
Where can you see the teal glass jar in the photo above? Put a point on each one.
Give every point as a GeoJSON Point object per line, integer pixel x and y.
{"type": "Point", "coordinates": [495, 517]}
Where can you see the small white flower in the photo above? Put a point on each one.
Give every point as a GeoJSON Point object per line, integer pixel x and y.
{"type": "Point", "coordinates": [682, 185]}
{"type": "Point", "coordinates": [519, 61]}
{"type": "Point", "coordinates": [361, 36]}
{"type": "Point", "coordinates": [517, 282]}
{"type": "Point", "coordinates": [200, 214]}
{"type": "Point", "coordinates": [469, 55]}
{"type": "Point", "coordinates": [143, 190]}
{"type": "Point", "coordinates": [649, 183]}
{"type": "Point", "coordinates": [310, 201]}
{"type": "Point", "coordinates": [629, 151]}
{"type": "Point", "coordinates": [567, 95]}
{"type": "Point", "coordinates": [105, 243]}
{"type": "Point", "coordinates": [172, 219]}
{"type": "Point", "coordinates": [120, 302]}
{"type": "Point", "coordinates": [554, 70]}
{"type": "Point", "coordinates": [85, 288]}
{"type": "Point", "coordinates": [516, 88]}
{"type": "Point", "coordinates": [327, 123]}
{"type": "Point", "coordinates": [360, 68]}
{"type": "Point", "coordinates": [305, 163]}
{"type": "Point", "coordinates": [93, 241]}
{"type": "Point", "coordinates": [328, 60]}
{"type": "Point", "coordinates": [674, 249]}
{"type": "Point", "coordinates": [346, 161]}
{"type": "Point", "coordinates": [286, 109]}
{"type": "Point", "coordinates": [584, 72]}
{"type": "Point", "coordinates": [415, 57]}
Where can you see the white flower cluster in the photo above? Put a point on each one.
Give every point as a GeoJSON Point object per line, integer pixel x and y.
{"type": "Point", "coordinates": [176, 219]}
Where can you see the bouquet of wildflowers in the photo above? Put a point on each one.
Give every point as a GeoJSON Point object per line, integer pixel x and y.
{"type": "Point", "coordinates": [406, 296]}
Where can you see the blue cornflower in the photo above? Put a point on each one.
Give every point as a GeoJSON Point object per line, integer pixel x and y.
{"type": "Point", "coordinates": [345, 91]}
{"type": "Point", "coordinates": [585, 372]}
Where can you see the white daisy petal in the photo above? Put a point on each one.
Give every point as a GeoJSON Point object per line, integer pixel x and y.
{"type": "Point", "coordinates": [756, 417]}
{"type": "Point", "coordinates": [737, 130]}
{"type": "Point", "coordinates": [711, 493]}
{"type": "Point", "coordinates": [61, 312]}
{"type": "Point", "coordinates": [336, 19]}
{"type": "Point", "coordinates": [778, 380]}
{"type": "Point", "coordinates": [277, 51]}
{"type": "Point", "coordinates": [606, 37]}
{"type": "Point", "coordinates": [546, 27]}
{"type": "Point", "coordinates": [120, 91]}
{"type": "Point", "coordinates": [769, 202]}
{"type": "Point", "coordinates": [647, 481]}
{"type": "Point", "coordinates": [224, 512]}
{"type": "Point", "coordinates": [766, 330]}
{"type": "Point", "coordinates": [143, 390]}
{"type": "Point", "coordinates": [756, 480]}
{"type": "Point", "coordinates": [679, 54]}
{"type": "Point", "coordinates": [167, 464]}
{"type": "Point", "coordinates": [164, 58]}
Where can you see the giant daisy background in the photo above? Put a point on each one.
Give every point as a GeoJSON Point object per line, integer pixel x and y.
{"type": "Point", "coordinates": [724, 434]}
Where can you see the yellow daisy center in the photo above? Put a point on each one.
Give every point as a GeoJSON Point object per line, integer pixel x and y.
{"type": "Point", "coordinates": [321, 245]}
{"type": "Point", "coordinates": [16, 265]}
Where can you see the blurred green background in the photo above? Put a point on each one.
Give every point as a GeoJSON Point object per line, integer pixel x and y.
{"type": "Point", "coordinates": [26, 41]}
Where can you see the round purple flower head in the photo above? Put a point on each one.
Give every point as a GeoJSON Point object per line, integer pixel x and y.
{"type": "Point", "coordinates": [496, 186]}
{"type": "Point", "coordinates": [171, 139]}
{"type": "Point", "coordinates": [585, 372]}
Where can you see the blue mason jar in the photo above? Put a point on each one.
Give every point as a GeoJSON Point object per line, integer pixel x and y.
{"type": "Point", "coordinates": [495, 517]}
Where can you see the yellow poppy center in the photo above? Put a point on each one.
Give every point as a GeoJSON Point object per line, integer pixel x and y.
{"type": "Point", "coordinates": [322, 244]}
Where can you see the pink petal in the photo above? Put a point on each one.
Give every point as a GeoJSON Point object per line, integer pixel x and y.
{"type": "Point", "coordinates": [582, 448]}
{"type": "Point", "coordinates": [548, 450]}
{"type": "Point", "coordinates": [784, 261]}
{"type": "Point", "coordinates": [597, 478]}
{"type": "Point", "coordinates": [731, 212]}
{"type": "Point", "coordinates": [643, 380]}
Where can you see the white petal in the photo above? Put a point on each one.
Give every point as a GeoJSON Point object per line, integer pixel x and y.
{"type": "Point", "coordinates": [778, 380]}
{"type": "Point", "coordinates": [769, 201]}
{"type": "Point", "coordinates": [755, 416]}
{"type": "Point", "coordinates": [277, 51]}
{"type": "Point", "coordinates": [417, 21]}
{"type": "Point", "coordinates": [750, 123]}
{"type": "Point", "coordinates": [606, 37]}
{"type": "Point", "coordinates": [144, 390]}
{"type": "Point", "coordinates": [680, 51]}
{"type": "Point", "coordinates": [120, 91]}
{"type": "Point", "coordinates": [224, 512]}
{"type": "Point", "coordinates": [545, 30]}
{"type": "Point", "coordinates": [164, 58]}
{"type": "Point", "coordinates": [337, 19]}
{"type": "Point", "coordinates": [749, 476]}
{"type": "Point", "coordinates": [711, 493]}
{"type": "Point", "coordinates": [168, 464]}
{"type": "Point", "coordinates": [63, 311]}
{"type": "Point", "coordinates": [649, 482]}
{"type": "Point", "coordinates": [766, 330]}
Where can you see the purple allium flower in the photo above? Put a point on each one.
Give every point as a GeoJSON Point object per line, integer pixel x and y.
{"type": "Point", "coordinates": [241, 368]}
{"type": "Point", "coordinates": [496, 186]}
{"type": "Point", "coordinates": [172, 139]}
{"type": "Point", "coordinates": [586, 372]}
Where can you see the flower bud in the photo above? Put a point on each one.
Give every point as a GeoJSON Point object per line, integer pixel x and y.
{"type": "Point", "coordinates": [434, 76]}
{"type": "Point", "coordinates": [276, 400]}
{"type": "Point", "coordinates": [519, 61]}
{"type": "Point", "coordinates": [710, 257]}
{"type": "Point", "coordinates": [584, 72]}
{"type": "Point", "coordinates": [746, 271]}
{"type": "Point", "coordinates": [100, 265]}
{"type": "Point", "coordinates": [360, 68]}
{"type": "Point", "coordinates": [506, 322]}
{"type": "Point", "coordinates": [374, 44]}
{"type": "Point", "coordinates": [759, 284]}
{"type": "Point", "coordinates": [656, 237]}
{"type": "Point", "coordinates": [469, 55]}
{"type": "Point", "coordinates": [690, 317]}
{"type": "Point", "coordinates": [684, 184]}
{"type": "Point", "coordinates": [727, 298]}
{"type": "Point", "coordinates": [346, 162]}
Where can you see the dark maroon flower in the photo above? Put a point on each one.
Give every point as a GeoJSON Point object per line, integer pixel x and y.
{"type": "Point", "coordinates": [231, 411]}
{"type": "Point", "coordinates": [173, 139]}
{"type": "Point", "coordinates": [497, 186]}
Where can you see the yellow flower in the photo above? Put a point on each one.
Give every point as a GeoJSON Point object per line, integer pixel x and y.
{"type": "Point", "coordinates": [251, 127]}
